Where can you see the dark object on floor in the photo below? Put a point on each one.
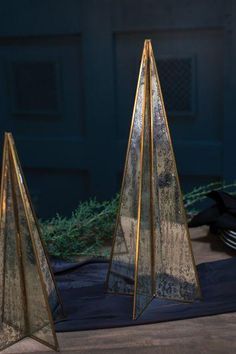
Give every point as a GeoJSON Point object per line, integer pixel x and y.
{"type": "Point", "coordinates": [221, 217]}
{"type": "Point", "coordinates": [89, 307]}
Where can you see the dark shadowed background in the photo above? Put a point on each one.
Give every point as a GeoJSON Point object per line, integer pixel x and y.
{"type": "Point", "coordinates": [68, 73]}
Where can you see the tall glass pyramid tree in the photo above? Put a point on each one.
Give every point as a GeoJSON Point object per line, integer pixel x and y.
{"type": "Point", "coordinates": [29, 298]}
{"type": "Point", "coordinates": [151, 254]}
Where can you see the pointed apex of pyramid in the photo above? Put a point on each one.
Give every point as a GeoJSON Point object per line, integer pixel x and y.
{"type": "Point", "coordinates": [147, 41]}
{"type": "Point", "coordinates": [7, 135]}
{"type": "Point", "coordinates": [148, 45]}
{"type": "Point", "coordinates": [8, 139]}
{"type": "Point", "coordinates": [147, 51]}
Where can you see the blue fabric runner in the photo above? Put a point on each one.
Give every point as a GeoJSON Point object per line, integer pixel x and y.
{"type": "Point", "coordinates": [87, 305]}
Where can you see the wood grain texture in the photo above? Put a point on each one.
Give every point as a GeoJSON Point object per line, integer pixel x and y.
{"type": "Point", "coordinates": [211, 334]}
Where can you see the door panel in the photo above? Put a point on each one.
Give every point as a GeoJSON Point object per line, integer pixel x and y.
{"type": "Point", "coordinates": [68, 73]}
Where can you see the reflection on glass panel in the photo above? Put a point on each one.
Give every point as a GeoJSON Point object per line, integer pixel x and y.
{"type": "Point", "coordinates": [47, 274]}
{"type": "Point", "coordinates": [144, 271]}
{"type": "Point", "coordinates": [29, 293]}
{"type": "Point", "coordinates": [13, 324]}
{"type": "Point", "coordinates": [152, 254]}
{"type": "Point", "coordinates": [121, 275]}
{"type": "Point", "coordinates": [176, 274]}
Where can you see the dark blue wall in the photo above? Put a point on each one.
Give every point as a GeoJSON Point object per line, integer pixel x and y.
{"type": "Point", "coordinates": [68, 72]}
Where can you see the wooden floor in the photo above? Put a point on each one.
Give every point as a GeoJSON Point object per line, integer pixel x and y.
{"type": "Point", "coordinates": [213, 334]}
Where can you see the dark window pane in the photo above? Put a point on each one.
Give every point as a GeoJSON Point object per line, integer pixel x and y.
{"type": "Point", "coordinates": [35, 87]}
{"type": "Point", "coordinates": [176, 82]}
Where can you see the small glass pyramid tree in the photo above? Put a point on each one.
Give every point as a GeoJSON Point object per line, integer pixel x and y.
{"type": "Point", "coordinates": [29, 299]}
{"type": "Point", "coordinates": [151, 253]}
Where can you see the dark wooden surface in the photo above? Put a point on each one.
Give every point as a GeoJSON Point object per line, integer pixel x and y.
{"type": "Point", "coordinates": [213, 334]}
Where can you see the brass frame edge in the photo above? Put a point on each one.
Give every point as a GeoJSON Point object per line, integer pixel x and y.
{"type": "Point", "coordinates": [18, 241]}
{"type": "Point", "coordinates": [5, 147]}
{"type": "Point", "coordinates": [140, 182]}
{"type": "Point", "coordinates": [153, 254]}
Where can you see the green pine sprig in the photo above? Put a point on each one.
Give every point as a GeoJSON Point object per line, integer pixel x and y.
{"type": "Point", "coordinates": [90, 228]}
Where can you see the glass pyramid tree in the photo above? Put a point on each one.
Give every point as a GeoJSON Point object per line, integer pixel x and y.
{"type": "Point", "coordinates": [29, 299]}
{"type": "Point", "coordinates": [151, 254]}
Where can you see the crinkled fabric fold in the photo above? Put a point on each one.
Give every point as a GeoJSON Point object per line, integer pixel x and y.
{"type": "Point", "coordinates": [88, 306]}
{"type": "Point", "coordinates": [220, 216]}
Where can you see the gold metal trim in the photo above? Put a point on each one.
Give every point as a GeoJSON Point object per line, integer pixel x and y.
{"type": "Point", "coordinates": [145, 50]}
{"type": "Point", "coordinates": [125, 169]}
{"type": "Point", "coordinates": [151, 177]}
{"type": "Point", "coordinates": [3, 203]}
{"type": "Point", "coordinates": [19, 251]}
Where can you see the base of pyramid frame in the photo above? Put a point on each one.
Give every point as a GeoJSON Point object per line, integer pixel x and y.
{"type": "Point", "coordinates": [25, 336]}
{"type": "Point", "coordinates": [154, 297]}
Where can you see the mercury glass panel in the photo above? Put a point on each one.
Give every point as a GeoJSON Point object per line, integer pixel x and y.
{"type": "Point", "coordinates": [145, 281]}
{"type": "Point", "coordinates": [175, 268]}
{"type": "Point", "coordinates": [121, 274]}
{"type": "Point", "coordinates": [48, 279]}
{"type": "Point", "coordinates": [37, 312]}
{"type": "Point", "coordinates": [13, 321]}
